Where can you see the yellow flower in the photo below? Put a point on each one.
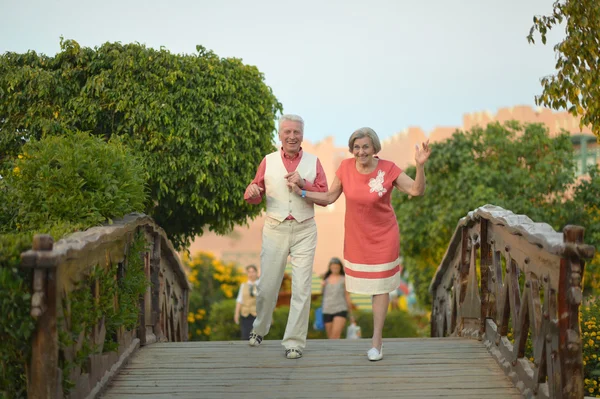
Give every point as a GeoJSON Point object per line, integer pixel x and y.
{"type": "Point", "coordinates": [198, 332]}
{"type": "Point", "coordinates": [190, 317]}
{"type": "Point", "coordinates": [200, 313]}
{"type": "Point", "coordinates": [591, 342]}
{"type": "Point", "coordinates": [207, 330]}
{"type": "Point", "coordinates": [17, 171]}
{"type": "Point", "coordinates": [20, 156]}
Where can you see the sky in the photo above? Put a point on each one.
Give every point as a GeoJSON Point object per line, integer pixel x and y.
{"type": "Point", "coordinates": [341, 65]}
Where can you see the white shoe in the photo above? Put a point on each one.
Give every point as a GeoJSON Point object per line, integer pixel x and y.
{"type": "Point", "coordinates": [374, 355]}
{"type": "Point", "coordinates": [255, 339]}
{"type": "Point", "coordinates": [293, 353]}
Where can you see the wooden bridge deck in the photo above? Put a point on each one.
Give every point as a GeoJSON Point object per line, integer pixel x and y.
{"type": "Point", "coordinates": [411, 368]}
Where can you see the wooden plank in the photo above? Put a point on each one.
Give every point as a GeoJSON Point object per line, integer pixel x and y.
{"type": "Point", "coordinates": [455, 368]}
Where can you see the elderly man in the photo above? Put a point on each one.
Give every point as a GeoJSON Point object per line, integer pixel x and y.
{"type": "Point", "coordinates": [289, 230]}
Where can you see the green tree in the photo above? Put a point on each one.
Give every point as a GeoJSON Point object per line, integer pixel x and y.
{"type": "Point", "coordinates": [201, 123]}
{"type": "Point", "coordinates": [517, 167]}
{"type": "Point", "coordinates": [576, 84]}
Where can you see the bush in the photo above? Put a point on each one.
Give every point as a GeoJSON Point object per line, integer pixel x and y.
{"type": "Point", "coordinates": [590, 337]}
{"type": "Point", "coordinates": [56, 186]}
{"type": "Point", "coordinates": [73, 178]}
{"type": "Point", "coordinates": [221, 323]}
{"type": "Point", "coordinates": [16, 326]}
{"type": "Point", "coordinates": [398, 324]}
{"type": "Point", "coordinates": [212, 282]}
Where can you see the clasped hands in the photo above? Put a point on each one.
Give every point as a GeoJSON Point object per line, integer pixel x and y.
{"type": "Point", "coordinates": [295, 183]}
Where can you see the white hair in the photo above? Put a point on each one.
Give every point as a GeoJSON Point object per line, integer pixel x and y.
{"type": "Point", "coordinates": [365, 132]}
{"type": "Point", "coordinates": [291, 118]}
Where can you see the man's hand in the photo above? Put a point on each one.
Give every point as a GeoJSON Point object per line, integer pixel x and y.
{"type": "Point", "coordinates": [294, 187]}
{"type": "Point", "coordinates": [236, 318]}
{"type": "Point", "coordinates": [295, 178]}
{"type": "Point", "coordinates": [254, 190]}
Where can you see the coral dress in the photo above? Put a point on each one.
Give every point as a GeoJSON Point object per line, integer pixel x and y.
{"type": "Point", "coordinates": [372, 238]}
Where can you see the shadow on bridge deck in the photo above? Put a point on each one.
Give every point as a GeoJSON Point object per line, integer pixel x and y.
{"type": "Point", "coordinates": [411, 368]}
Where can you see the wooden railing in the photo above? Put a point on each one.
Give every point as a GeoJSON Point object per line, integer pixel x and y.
{"type": "Point", "coordinates": [505, 276]}
{"type": "Point", "coordinates": [63, 267]}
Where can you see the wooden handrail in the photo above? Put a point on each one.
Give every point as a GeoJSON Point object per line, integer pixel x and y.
{"type": "Point", "coordinates": [502, 271]}
{"type": "Point", "coordinates": [60, 268]}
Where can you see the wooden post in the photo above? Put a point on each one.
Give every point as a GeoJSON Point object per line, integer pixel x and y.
{"type": "Point", "coordinates": [186, 309]}
{"type": "Point", "coordinates": [485, 264]}
{"type": "Point", "coordinates": [569, 299]}
{"type": "Point", "coordinates": [155, 289]}
{"type": "Point", "coordinates": [44, 374]}
{"type": "Point", "coordinates": [463, 270]}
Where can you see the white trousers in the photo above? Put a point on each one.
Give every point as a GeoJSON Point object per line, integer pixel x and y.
{"type": "Point", "coordinates": [280, 239]}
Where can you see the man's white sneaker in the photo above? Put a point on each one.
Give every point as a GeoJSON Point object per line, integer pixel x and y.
{"type": "Point", "coordinates": [293, 353]}
{"type": "Point", "coordinates": [255, 339]}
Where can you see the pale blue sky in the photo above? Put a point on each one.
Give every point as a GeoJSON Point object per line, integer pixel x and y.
{"type": "Point", "coordinates": [340, 64]}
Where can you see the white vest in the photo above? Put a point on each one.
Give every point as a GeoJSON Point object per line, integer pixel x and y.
{"type": "Point", "coordinates": [282, 203]}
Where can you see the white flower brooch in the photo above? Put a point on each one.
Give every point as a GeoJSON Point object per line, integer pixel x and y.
{"type": "Point", "coordinates": [376, 184]}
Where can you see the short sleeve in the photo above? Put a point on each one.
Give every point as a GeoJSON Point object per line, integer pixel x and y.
{"type": "Point", "coordinates": [239, 296]}
{"type": "Point", "coordinates": [340, 172]}
{"type": "Point", "coordinates": [395, 171]}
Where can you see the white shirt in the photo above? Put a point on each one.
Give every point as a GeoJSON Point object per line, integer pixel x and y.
{"type": "Point", "coordinates": [239, 295]}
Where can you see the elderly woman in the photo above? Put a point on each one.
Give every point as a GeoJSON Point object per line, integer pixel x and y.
{"type": "Point", "coordinates": [371, 237]}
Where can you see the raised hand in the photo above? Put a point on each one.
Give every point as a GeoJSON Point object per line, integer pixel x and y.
{"type": "Point", "coordinates": [422, 154]}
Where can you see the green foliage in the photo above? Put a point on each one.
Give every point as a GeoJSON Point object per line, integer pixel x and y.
{"type": "Point", "coordinates": [590, 331]}
{"type": "Point", "coordinates": [221, 321]}
{"type": "Point", "coordinates": [280, 317]}
{"type": "Point", "coordinates": [74, 177]}
{"type": "Point", "coordinates": [201, 123]}
{"type": "Point", "coordinates": [55, 186]}
{"type": "Point", "coordinates": [15, 328]}
{"type": "Point", "coordinates": [576, 84]}
{"type": "Point", "coordinates": [398, 324]}
{"type": "Point", "coordinates": [84, 312]}
{"type": "Point", "coordinates": [584, 210]}
{"type": "Point", "coordinates": [212, 281]}
{"type": "Point", "coordinates": [519, 168]}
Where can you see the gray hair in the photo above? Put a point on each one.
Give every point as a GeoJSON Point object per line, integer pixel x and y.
{"type": "Point", "coordinates": [291, 118]}
{"type": "Point", "coordinates": [362, 133]}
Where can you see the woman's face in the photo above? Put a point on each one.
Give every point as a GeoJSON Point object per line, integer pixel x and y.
{"type": "Point", "coordinates": [335, 268]}
{"type": "Point", "coordinates": [363, 150]}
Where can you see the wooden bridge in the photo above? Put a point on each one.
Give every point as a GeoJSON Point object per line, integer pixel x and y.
{"type": "Point", "coordinates": [502, 276]}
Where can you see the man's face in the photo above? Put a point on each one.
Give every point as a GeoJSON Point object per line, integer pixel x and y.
{"type": "Point", "coordinates": [291, 134]}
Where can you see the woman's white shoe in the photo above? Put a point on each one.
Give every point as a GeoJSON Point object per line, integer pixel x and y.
{"type": "Point", "coordinates": [374, 355]}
